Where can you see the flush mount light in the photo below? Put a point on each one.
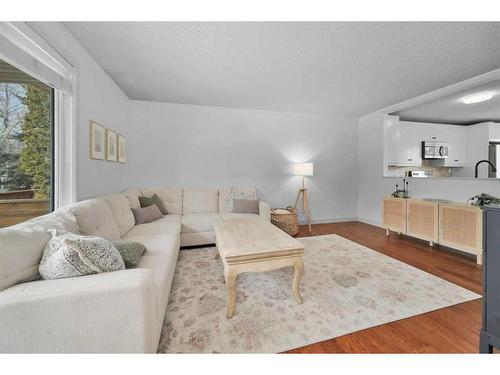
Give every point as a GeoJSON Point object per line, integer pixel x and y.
{"type": "Point", "coordinates": [478, 97]}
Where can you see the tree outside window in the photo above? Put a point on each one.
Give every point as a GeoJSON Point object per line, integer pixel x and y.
{"type": "Point", "coordinates": [25, 140]}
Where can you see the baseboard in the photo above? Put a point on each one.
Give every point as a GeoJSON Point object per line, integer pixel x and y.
{"type": "Point", "coordinates": [370, 221]}
{"type": "Point", "coordinates": [342, 220]}
{"type": "Point", "coordinates": [329, 220]}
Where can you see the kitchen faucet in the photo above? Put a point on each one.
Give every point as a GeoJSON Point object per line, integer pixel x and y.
{"type": "Point", "coordinates": [493, 168]}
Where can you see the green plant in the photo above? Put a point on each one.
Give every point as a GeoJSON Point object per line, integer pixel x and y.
{"type": "Point", "coordinates": [35, 158]}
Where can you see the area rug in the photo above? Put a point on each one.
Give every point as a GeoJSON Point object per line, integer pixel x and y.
{"type": "Point", "coordinates": [346, 288]}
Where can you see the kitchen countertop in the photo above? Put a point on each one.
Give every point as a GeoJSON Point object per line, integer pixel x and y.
{"type": "Point", "coordinates": [435, 200]}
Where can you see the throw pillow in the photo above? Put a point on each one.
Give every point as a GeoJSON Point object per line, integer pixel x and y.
{"type": "Point", "coordinates": [155, 199]}
{"type": "Point", "coordinates": [69, 255]}
{"type": "Point", "coordinates": [146, 214]}
{"type": "Point", "coordinates": [246, 206]}
{"type": "Point", "coordinates": [130, 251]}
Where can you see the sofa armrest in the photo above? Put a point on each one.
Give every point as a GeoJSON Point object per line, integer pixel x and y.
{"type": "Point", "coordinates": [264, 211]}
{"type": "Point", "coordinates": [112, 312]}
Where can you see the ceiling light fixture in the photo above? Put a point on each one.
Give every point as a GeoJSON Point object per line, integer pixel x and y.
{"type": "Point", "coordinates": [478, 97]}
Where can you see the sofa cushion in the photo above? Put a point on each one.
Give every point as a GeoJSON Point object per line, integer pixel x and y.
{"type": "Point", "coordinates": [226, 196]}
{"type": "Point", "coordinates": [198, 238]}
{"type": "Point", "coordinates": [70, 255]}
{"type": "Point", "coordinates": [61, 219]}
{"type": "Point", "coordinates": [200, 201]}
{"type": "Point", "coordinates": [22, 246]}
{"type": "Point", "coordinates": [167, 224]}
{"type": "Point", "coordinates": [132, 196]}
{"type": "Point", "coordinates": [202, 222]}
{"type": "Point", "coordinates": [159, 244]}
{"type": "Point", "coordinates": [95, 218]}
{"type": "Point", "coordinates": [81, 314]}
{"type": "Point", "coordinates": [163, 268]}
{"type": "Point", "coordinates": [170, 197]}
{"type": "Point", "coordinates": [122, 213]}
{"type": "Point", "coordinates": [235, 215]}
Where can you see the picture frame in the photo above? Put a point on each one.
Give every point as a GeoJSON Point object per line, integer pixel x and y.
{"type": "Point", "coordinates": [122, 149]}
{"type": "Point", "coordinates": [111, 145]}
{"type": "Point", "coordinates": [97, 140]}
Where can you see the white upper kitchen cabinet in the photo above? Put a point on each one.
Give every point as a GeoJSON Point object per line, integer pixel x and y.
{"type": "Point", "coordinates": [412, 142]}
{"type": "Point", "coordinates": [391, 126]}
{"type": "Point", "coordinates": [405, 142]}
{"type": "Point", "coordinates": [456, 137]}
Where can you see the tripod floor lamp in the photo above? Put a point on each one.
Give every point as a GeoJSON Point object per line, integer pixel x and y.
{"type": "Point", "coordinates": [303, 169]}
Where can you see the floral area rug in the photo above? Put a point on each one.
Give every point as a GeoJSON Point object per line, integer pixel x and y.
{"type": "Point", "coordinates": [346, 288]}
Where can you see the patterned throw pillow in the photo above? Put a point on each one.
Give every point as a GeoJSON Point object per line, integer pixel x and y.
{"type": "Point", "coordinates": [130, 251]}
{"type": "Point", "coordinates": [70, 255]}
{"type": "Point", "coordinates": [155, 199]}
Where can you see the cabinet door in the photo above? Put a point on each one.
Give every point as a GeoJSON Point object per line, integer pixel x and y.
{"type": "Point", "coordinates": [394, 214]}
{"type": "Point", "coordinates": [422, 220]}
{"type": "Point", "coordinates": [460, 227]}
{"type": "Point", "coordinates": [492, 276]}
{"type": "Point", "coordinates": [410, 145]}
{"type": "Point", "coordinates": [456, 139]}
{"type": "Point", "coordinates": [392, 132]}
{"type": "Point", "coordinates": [455, 157]}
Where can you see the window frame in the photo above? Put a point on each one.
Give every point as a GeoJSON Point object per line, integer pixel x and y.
{"type": "Point", "coordinates": [29, 52]}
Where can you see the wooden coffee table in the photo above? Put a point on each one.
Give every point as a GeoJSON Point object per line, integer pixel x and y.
{"type": "Point", "coordinates": [255, 245]}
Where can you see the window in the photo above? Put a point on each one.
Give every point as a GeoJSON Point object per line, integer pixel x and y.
{"type": "Point", "coordinates": [26, 146]}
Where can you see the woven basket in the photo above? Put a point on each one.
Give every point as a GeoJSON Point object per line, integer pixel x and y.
{"type": "Point", "coordinates": [285, 219]}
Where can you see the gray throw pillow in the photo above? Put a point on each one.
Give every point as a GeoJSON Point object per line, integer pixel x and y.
{"type": "Point", "coordinates": [146, 214]}
{"type": "Point", "coordinates": [155, 199]}
{"type": "Point", "coordinates": [69, 255]}
{"type": "Point", "coordinates": [246, 206]}
{"type": "Point", "coordinates": [130, 251]}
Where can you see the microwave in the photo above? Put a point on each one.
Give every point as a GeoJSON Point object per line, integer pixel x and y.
{"type": "Point", "coordinates": [434, 150]}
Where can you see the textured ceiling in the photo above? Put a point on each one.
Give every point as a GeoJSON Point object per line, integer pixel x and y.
{"type": "Point", "coordinates": [342, 68]}
{"type": "Point", "coordinates": [451, 110]}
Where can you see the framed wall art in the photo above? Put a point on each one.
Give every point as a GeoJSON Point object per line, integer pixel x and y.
{"type": "Point", "coordinates": [111, 145]}
{"type": "Point", "coordinates": [122, 149]}
{"type": "Point", "coordinates": [97, 141]}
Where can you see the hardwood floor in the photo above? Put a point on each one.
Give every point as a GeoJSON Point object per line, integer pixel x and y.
{"type": "Point", "coordinates": [453, 329]}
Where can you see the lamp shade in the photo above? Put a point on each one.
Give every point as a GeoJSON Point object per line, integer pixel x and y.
{"type": "Point", "coordinates": [303, 169]}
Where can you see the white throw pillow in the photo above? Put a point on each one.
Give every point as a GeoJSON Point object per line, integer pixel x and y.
{"type": "Point", "coordinates": [69, 255]}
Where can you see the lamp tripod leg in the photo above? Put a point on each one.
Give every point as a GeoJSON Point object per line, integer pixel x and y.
{"type": "Point", "coordinates": [306, 210]}
{"type": "Point", "coordinates": [297, 200]}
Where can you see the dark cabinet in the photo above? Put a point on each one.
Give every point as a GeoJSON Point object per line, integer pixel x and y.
{"type": "Point", "coordinates": [490, 332]}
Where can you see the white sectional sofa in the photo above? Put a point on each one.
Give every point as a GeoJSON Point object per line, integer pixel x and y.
{"type": "Point", "coordinates": [115, 312]}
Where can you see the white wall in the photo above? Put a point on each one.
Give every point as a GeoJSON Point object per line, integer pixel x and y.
{"type": "Point", "coordinates": [373, 186]}
{"type": "Point", "coordinates": [189, 145]}
{"type": "Point", "coordinates": [98, 99]}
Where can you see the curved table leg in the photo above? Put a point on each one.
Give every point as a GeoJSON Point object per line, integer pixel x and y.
{"type": "Point", "coordinates": [298, 270]}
